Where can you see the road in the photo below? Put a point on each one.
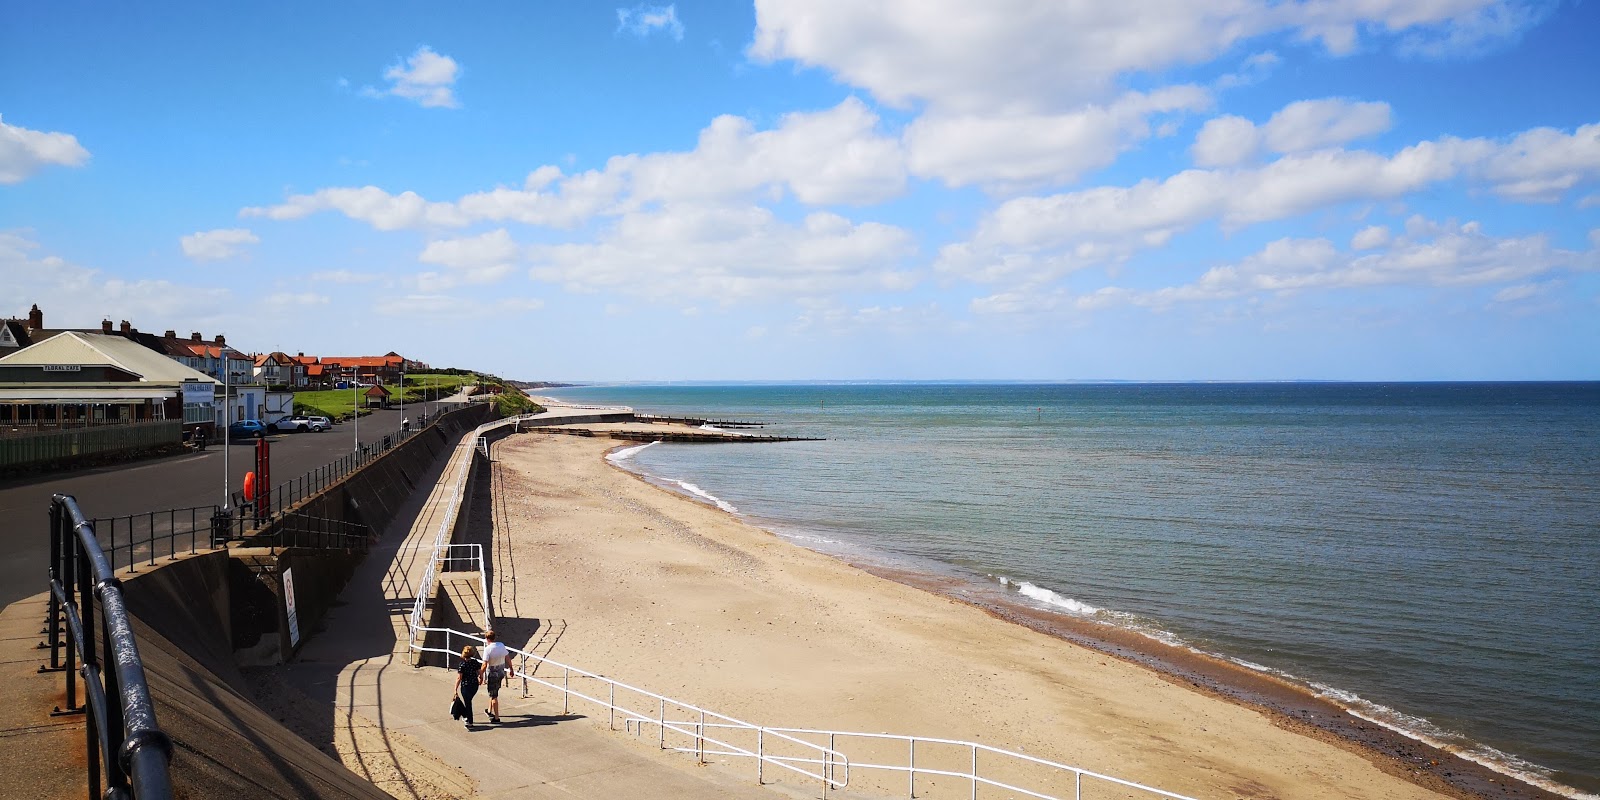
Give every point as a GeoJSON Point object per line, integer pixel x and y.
{"type": "Point", "coordinates": [181, 481]}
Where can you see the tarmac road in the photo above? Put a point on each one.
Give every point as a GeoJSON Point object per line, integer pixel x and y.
{"type": "Point", "coordinates": [182, 481]}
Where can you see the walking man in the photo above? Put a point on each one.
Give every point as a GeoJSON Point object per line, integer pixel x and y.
{"type": "Point", "coordinates": [496, 668]}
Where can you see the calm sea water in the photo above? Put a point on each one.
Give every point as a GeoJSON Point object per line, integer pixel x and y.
{"type": "Point", "coordinates": [1429, 554]}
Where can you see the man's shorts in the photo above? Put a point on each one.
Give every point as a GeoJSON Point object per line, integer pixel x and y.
{"type": "Point", "coordinates": [494, 684]}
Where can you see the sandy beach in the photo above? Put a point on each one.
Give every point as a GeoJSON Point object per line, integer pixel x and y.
{"type": "Point", "coordinates": [599, 569]}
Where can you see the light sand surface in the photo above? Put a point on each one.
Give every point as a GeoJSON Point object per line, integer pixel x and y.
{"type": "Point", "coordinates": [598, 569]}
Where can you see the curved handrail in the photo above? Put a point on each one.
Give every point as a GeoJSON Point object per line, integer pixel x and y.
{"type": "Point", "coordinates": [832, 761]}
{"type": "Point", "coordinates": [132, 748]}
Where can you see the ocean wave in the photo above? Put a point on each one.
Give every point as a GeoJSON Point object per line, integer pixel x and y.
{"type": "Point", "coordinates": [1406, 725]}
{"type": "Point", "coordinates": [1050, 598]}
{"type": "Point", "coordinates": [707, 496]}
{"type": "Point", "coordinates": [627, 452]}
{"type": "Point", "coordinates": [1424, 731]}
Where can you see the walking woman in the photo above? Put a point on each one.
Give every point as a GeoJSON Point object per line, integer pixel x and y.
{"type": "Point", "coordinates": [467, 679]}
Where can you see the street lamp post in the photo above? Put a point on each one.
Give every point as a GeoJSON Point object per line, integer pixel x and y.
{"type": "Point", "coordinates": [355, 411]}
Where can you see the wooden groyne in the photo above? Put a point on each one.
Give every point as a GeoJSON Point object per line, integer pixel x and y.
{"type": "Point", "coordinates": [696, 422]}
{"type": "Point", "coordinates": [698, 437]}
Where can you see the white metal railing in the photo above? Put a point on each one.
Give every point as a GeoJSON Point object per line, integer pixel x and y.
{"type": "Point", "coordinates": [700, 726]}
{"type": "Point", "coordinates": [419, 607]}
{"type": "Point", "coordinates": [967, 754]}
{"type": "Point", "coordinates": [474, 557]}
{"type": "Point", "coordinates": [766, 745]}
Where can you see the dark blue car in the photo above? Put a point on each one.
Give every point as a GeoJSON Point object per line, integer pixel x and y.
{"type": "Point", "coordinates": [247, 429]}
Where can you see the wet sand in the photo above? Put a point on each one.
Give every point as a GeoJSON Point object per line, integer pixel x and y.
{"type": "Point", "coordinates": [597, 568]}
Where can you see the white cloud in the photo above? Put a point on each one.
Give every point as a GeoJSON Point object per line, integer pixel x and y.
{"type": "Point", "coordinates": [822, 157]}
{"type": "Point", "coordinates": [444, 306]}
{"type": "Point", "coordinates": [1315, 124]}
{"type": "Point", "coordinates": [825, 157]}
{"type": "Point", "coordinates": [217, 245]}
{"type": "Point", "coordinates": [289, 300]}
{"type": "Point", "coordinates": [474, 252]}
{"type": "Point", "coordinates": [643, 20]}
{"type": "Point", "coordinates": [1370, 237]}
{"type": "Point", "coordinates": [371, 205]}
{"type": "Point", "coordinates": [729, 254]}
{"type": "Point", "coordinates": [344, 276]}
{"type": "Point", "coordinates": [1028, 57]}
{"type": "Point", "coordinates": [1034, 240]}
{"type": "Point", "coordinates": [73, 295]}
{"type": "Point", "coordinates": [426, 78]}
{"type": "Point", "coordinates": [1521, 291]}
{"type": "Point", "coordinates": [1002, 151]}
{"type": "Point", "coordinates": [1226, 141]}
{"type": "Point", "coordinates": [1540, 165]}
{"type": "Point", "coordinates": [485, 258]}
{"type": "Point", "coordinates": [1430, 255]}
{"type": "Point", "coordinates": [1299, 127]}
{"type": "Point", "coordinates": [24, 152]}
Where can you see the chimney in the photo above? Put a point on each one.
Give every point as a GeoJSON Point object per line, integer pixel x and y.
{"type": "Point", "coordinates": [302, 354]}
{"type": "Point", "coordinates": [105, 326]}
{"type": "Point", "coordinates": [221, 339]}
{"type": "Point", "coordinates": [35, 318]}
{"type": "Point", "coordinates": [196, 337]}
{"type": "Point", "coordinates": [126, 327]}
{"type": "Point", "coordinates": [172, 334]}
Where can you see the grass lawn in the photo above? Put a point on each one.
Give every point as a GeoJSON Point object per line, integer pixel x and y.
{"type": "Point", "coordinates": [338, 403]}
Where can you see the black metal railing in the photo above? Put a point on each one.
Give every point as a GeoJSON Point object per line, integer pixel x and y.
{"type": "Point", "coordinates": [273, 502]}
{"type": "Point", "coordinates": [299, 530]}
{"type": "Point", "coordinates": [128, 754]}
{"type": "Point", "coordinates": [138, 540]}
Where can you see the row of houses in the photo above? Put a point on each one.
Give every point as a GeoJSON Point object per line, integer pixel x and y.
{"type": "Point", "coordinates": [68, 377]}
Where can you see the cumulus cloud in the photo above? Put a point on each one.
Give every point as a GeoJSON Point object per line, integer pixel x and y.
{"type": "Point", "coordinates": [1041, 56]}
{"type": "Point", "coordinates": [444, 306]}
{"type": "Point", "coordinates": [728, 254]}
{"type": "Point", "coordinates": [53, 282]}
{"type": "Point", "coordinates": [217, 245]}
{"type": "Point", "coordinates": [475, 259]}
{"type": "Point", "coordinates": [1016, 150]}
{"type": "Point", "coordinates": [426, 78]}
{"type": "Point", "coordinates": [1037, 239]}
{"type": "Point", "coordinates": [1430, 254]}
{"type": "Point", "coordinates": [24, 152]}
{"type": "Point", "coordinates": [1299, 127]}
{"type": "Point", "coordinates": [643, 20]}
{"type": "Point", "coordinates": [836, 155]}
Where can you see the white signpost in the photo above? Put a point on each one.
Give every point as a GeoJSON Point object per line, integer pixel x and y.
{"type": "Point", "coordinates": [288, 598]}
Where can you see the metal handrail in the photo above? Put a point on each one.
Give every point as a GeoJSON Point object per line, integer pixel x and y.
{"type": "Point", "coordinates": [832, 762]}
{"type": "Point", "coordinates": [122, 737]}
{"type": "Point", "coordinates": [476, 551]}
{"type": "Point", "coordinates": [419, 607]}
{"type": "Point", "coordinates": [912, 770]}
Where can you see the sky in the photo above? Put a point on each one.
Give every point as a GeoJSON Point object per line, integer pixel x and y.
{"type": "Point", "coordinates": [820, 189]}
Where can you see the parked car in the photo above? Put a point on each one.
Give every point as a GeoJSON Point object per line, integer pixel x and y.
{"type": "Point", "coordinates": [300, 423]}
{"type": "Point", "coordinates": [247, 429]}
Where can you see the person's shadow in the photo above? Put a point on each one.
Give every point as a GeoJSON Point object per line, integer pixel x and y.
{"type": "Point", "coordinates": [530, 720]}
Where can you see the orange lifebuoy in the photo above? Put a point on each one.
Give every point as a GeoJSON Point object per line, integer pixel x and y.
{"type": "Point", "coordinates": [250, 486]}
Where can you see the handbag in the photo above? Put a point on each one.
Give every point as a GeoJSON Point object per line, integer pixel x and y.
{"type": "Point", "coordinates": [457, 708]}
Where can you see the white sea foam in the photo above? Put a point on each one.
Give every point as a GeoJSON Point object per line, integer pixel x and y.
{"type": "Point", "coordinates": [1053, 599]}
{"type": "Point", "coordinates": [627, 452]}
{"type": "Point", "coordinates": [1428, 733]}
{"type": "Point", "coordinates": [708, 497]}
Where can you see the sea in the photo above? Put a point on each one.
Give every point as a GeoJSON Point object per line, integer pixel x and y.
{"type": "Point", "coordinates": [1427, 555]}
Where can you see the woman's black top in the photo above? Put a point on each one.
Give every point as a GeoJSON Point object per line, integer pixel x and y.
{"type": "Point", "coordinates": [469, 671]}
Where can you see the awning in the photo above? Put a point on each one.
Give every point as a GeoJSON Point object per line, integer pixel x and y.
{"type": "Point", "coordinates": [66, 395]}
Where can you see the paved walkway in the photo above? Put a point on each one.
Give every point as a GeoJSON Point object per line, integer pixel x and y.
{"type": "Point", "coordinates": [360, 664]}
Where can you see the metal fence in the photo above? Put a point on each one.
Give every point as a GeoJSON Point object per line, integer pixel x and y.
{"type": "Point", "coordinates": [126, 749]}
{"type": "Point", "coordinates": [51, 445]}
{"type": "Point", "coordinates": [285, 495]}
{"type": "Point", "coordinates": [139, 540]}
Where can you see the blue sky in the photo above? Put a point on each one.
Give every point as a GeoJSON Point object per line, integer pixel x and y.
{"type": "Point", "coordinates": [828, 189]}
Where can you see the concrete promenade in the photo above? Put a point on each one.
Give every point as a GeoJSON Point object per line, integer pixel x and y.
{"type": "Point", "coordinates": [385, 711]}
